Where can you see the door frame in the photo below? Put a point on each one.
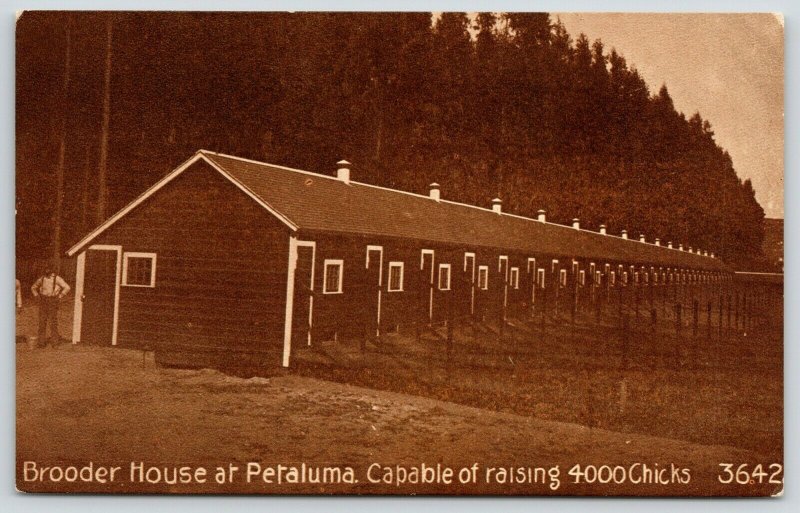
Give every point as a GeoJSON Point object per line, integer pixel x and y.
{"type": "Point", "coordinates": [291, 267]}
{"type": "Point", "coordinates": [80, 275]}
{"type": "Point", "coordinates": [500, 260]}
{"type": "Point", "coordinates": [313, 246]}
{"type": "Point", "coordinates": [380, 283]}
{"type": "Point", "coordinates": [468, 255]}
{"type": "Point", "coordinates": [422, 254]}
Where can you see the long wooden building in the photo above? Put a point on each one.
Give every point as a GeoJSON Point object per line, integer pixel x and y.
{"type": "Point", "coordinates": [229, 256]}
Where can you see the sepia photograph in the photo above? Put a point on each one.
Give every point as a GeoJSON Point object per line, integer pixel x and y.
{"type": "Point", "coordinates": [399, 253]}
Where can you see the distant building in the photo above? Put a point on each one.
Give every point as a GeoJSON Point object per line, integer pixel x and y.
{"type": "Point", "coordinates": [773, 243]}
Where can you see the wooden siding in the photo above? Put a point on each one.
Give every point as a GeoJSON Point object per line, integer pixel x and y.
{"type": "Point", "coordinates": [354, 312]}
{"type": "Point", "coordinates": [221, 271]}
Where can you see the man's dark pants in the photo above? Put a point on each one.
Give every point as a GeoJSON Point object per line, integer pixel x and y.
{"type": "Point", "coordinates": [48, 313]}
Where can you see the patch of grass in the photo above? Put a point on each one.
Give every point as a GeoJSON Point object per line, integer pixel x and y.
{"type": "Point", "coordinates": [713, 388]}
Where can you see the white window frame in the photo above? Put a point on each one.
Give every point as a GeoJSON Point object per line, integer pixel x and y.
{"type": "Point", "coordinates": [483, 277]}
{"type": "Point", "coordinates": [540, 277]}
{"type": "Point", "coordinates": [332, 262]}
{"type": "Point", "coordinates": [514, 277]}
{"type": "Point", "coordinates": [612, 278]}
{"type": "Point", "coordinates": [442, 267]}
{"type": "Point", "coordinates": [500, 261]}
{"type": "Point", "coordinates": [153, 258]}
{"type": "Point", "coordinates": [396, 265]}
{"type": "Point", "coordinates": [582, 277]}
{"type": "Point", "coordinates": [467, 257]}
{"type": "Point", "coordinates": [562, 278]}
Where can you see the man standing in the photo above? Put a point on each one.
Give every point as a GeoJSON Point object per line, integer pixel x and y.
{"type": "Point", "coordinates": [49, 289]}
{"type": "Point", "coordinates": [20, 338]}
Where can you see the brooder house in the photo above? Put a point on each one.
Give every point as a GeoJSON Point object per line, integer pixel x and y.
{"type": "Point", "coordinates": [227, 256]}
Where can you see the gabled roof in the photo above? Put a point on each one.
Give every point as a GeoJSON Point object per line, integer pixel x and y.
{"type": "Point", "coordinates": [307, 201]}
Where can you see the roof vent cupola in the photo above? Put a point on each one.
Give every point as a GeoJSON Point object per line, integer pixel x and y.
{"type": "Point", "coordinates": [435, 193]}
{"type": "Point", "coordinates": [497, 205]}
{"type": "Point", "coordinates": [343, 171]}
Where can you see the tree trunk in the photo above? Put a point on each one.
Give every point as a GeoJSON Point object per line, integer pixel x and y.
{"type": "Point", "coordinates": [85, 190]}
{"type": "Point", "coordinates": [62, 149]}
{"type": "Point", "coordinates": [102, 193]}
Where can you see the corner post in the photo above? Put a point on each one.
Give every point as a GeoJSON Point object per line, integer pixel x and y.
{"type": "Point", "coordinates": [287, 326]}
{"type": "Point", "coordinates": [77, 315]}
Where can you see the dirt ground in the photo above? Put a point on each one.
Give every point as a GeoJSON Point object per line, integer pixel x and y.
{"type": "Point", "coordinates": [80, 406]}
{"type": "Point", "coordinates": [77, 405]}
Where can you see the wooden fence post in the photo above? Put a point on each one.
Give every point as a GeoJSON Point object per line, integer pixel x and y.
{"type": "Point", "coordinates": [625, 328]}
{"type": "Point", "coordinates": [678, 325]}
{"type": "Point", "coordinates": [729, 312]}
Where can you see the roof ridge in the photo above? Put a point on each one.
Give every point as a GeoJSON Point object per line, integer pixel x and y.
{"type": "Point", "coordinates": [261, 163]}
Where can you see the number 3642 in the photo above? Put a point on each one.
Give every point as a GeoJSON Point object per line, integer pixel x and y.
{"type": "Point", "coordinates": [746, 474]}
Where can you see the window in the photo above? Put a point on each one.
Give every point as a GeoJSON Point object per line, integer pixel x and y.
{"type": "Point", "coordinates": [636, 277]}
{"type": "Point", "coordinates": [612, 279]}
{"type": "Point", "coordinates": [562, 277]}
{"type": "Point", "coordinates": [395, 276]}
{"type": "Point", "coordinates": [555, 266]}
{"type": "Point", "coordinates": [139, 270]}
{"type": "Point", "coordinates": [598, 278]}
{"type": "Point", "coordinates": [514, 281]}
{"type": "Point", "coordinates": [540, 277]}
{"type": "Point", "coordinates": [444, 276]}
{"type": "Point", "coordinates": [582, 278]}
{"type": "Point", "coordinates": [591, 269]}
{"type": "Point", "coordinates": [624, 277]}
{"type": "Point", "coordinates": [531, 265]}
{"type": "Point", "coordinates": [469, 262]}
{"type": "Point", "coordinates": [483, 277]}
{"type": "Point", "coordinates": [332, 279]}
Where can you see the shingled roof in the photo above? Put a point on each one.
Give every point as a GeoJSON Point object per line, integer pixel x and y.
{"type": "Point", "coordinates": [308, 201]}
{"type": "Point", "coordinates": [325, 203]}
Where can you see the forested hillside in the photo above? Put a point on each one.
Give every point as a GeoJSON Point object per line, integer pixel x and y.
{"type": "Point", "coordinates": [513, 106]}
